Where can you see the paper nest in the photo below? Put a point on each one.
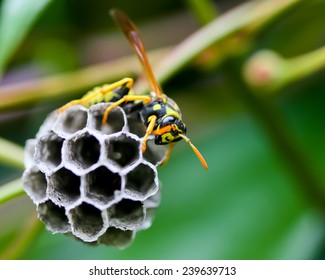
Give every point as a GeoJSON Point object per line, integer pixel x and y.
{"type": "Point", "coordinates": [92, 181]}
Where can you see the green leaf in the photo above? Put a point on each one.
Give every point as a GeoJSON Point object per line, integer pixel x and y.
{"type": "Point", "coordinates": [16, 19]}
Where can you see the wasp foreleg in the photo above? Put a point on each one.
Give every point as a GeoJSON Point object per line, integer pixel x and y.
{"type": "Point", "coordinates": [126, 98]}
{"type": "Point", "coordinates": [152, 121]}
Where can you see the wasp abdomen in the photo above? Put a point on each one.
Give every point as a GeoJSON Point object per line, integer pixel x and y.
{"type": "Point", "coordinates": [100, 94]}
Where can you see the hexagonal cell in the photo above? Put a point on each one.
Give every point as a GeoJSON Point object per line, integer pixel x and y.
{"type": "Point", "coordinates": [82, 151]}
{"type": "Point", "coordinates": [54, 217]}
{"type": "Point", "coordinates": [117, 237]}
{"type": "Point", "coordinates": [155, 154]}
{"type": "Point", "coordinates": [71, 120]}
{"type": "Point", "coordinates": [150, 204]}
{"type": "Point", "coordinates": [126, 214]}
{"type": "Point", "coordinates": [34, 183]}
{"type": "Point", "coordinates": [102, 184]}
{"type": "Point", "coordinates": [115, 122]}
{"type": "Point", "coordinates": [87, 222]}
{"type": "Point", "coordinates": [48, 152]}
{"type": "Point", "coordinates": [141, 182]}
{"type": "Point", "coordinates": [64, 187]}
{"type": "Point", "coordinates": [136, 126]}
{"type": "Point", "coordinates": [123, 149]}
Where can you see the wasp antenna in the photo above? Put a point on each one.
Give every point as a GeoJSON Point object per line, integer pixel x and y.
{"type": "Point", "coordinates": [196, 151]}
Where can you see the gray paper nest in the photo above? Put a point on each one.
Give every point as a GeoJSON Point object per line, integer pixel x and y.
{"type": "Point", "coordinates": [90, 180]}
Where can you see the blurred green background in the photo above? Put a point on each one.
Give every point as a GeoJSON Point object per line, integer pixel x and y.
{"type": "Point", "coordinates": [264, 194]}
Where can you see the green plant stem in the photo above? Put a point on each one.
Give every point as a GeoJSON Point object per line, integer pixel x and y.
{"type": "Point", "coordinates": [268, 72]}
{"type": "Point", "coordinates": [22, 241]}
{"type": "Point", "coordinates": [62, 84]}
{"type": "Point", "coordinates": [204, 10]}
{"type": "Point", "coordinates": [305, 64]}
{"type": "Point", "coordinates": [11, 154]}
{"type": "Point", "coordinates": [11, 190]}
{"type": "Point", "coordinates": [244, 16]}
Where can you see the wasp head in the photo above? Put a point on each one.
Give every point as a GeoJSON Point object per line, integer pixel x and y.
{"type": "Point", "coordinates": [169, 130]}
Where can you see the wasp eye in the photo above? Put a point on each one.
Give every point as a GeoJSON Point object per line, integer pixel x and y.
{"type": "Point", "coordinates": [180, 126]}
{"type": "Point", "coordinates": [168, 121]}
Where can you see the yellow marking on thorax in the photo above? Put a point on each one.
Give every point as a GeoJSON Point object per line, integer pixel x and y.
{"type": "Point", "coordinates": [156, 107]}
{"type": "Point", "coordinates": [170, 111]}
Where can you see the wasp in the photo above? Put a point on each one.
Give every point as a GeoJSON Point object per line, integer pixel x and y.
{"type": "Point", "coordinates": [159, 113]}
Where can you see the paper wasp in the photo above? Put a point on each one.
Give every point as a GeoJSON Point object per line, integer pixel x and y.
{"type": "Point", "coordinates": [160, 114]}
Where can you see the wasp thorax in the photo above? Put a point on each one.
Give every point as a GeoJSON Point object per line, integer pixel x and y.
{"type": "Point", "coordinates": [90, 181]}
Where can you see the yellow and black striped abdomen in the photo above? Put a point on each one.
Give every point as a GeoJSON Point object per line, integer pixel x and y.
{"type": "Point", "coordinates": [101, 94]}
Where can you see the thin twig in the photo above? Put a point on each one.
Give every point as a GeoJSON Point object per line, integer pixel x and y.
{"type": "Point", "coordinates": [306, 64]}
{"type": "Point", "coordinates": [250, 14]}
{"type": "Point", "coordinates": [62, 84]}
{"type": "Point", "coordinates": [268, 72]}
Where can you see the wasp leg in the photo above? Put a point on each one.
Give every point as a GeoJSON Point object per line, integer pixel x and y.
{"type": "Point", "coordinates": [69, 104]}
{"type": "Point", "coordinates": [128, 82]}
{"type": "Point", "coordinates": [152, 122]}
{"type": "Point", "coordinates": [170, 148]}
{"type": "Point", "coordinates": [126, 98]}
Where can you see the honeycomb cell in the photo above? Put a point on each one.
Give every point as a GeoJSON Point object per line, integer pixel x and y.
{"type": "Point", "coordinates": [150, 204]}
{"type": "Point", "coordinates": [126, 214]}
{"type": "Point", "coordinates": [116, 237]}
{"type": "Point", "coordinates": [87, 222]}
{"type": "Point", "coordinates": [70, 121]}
{"type": "Point", "coordinates": [155, 154]}
{"type": "Point", "coordinates": [82, 151]}
{"type": "Point", "coordinates": [136, 126]}
{"type": "Point", "coordinates": [54, 217]}
{"type": "Point", "coordinates": [123, 149]}
{"type": "Point", "coordinates": [115, 122]}
{"type": "Point", "coordinates": [48, 152]}
{"type": "Point", "coordinates": [101, 185]}
{"type": "Point", "coordinates": [35, 184]}
{"type": "Point", "coordinates": [141, 182]}
{"type": "Point", "coordinates": [64, 187]}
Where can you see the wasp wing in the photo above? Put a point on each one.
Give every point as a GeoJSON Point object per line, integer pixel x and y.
{"type": "Point", "coordinates": [132, 34]}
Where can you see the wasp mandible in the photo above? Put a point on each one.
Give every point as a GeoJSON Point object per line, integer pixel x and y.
{"type": "Point", "coordinates": [160, 114]}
